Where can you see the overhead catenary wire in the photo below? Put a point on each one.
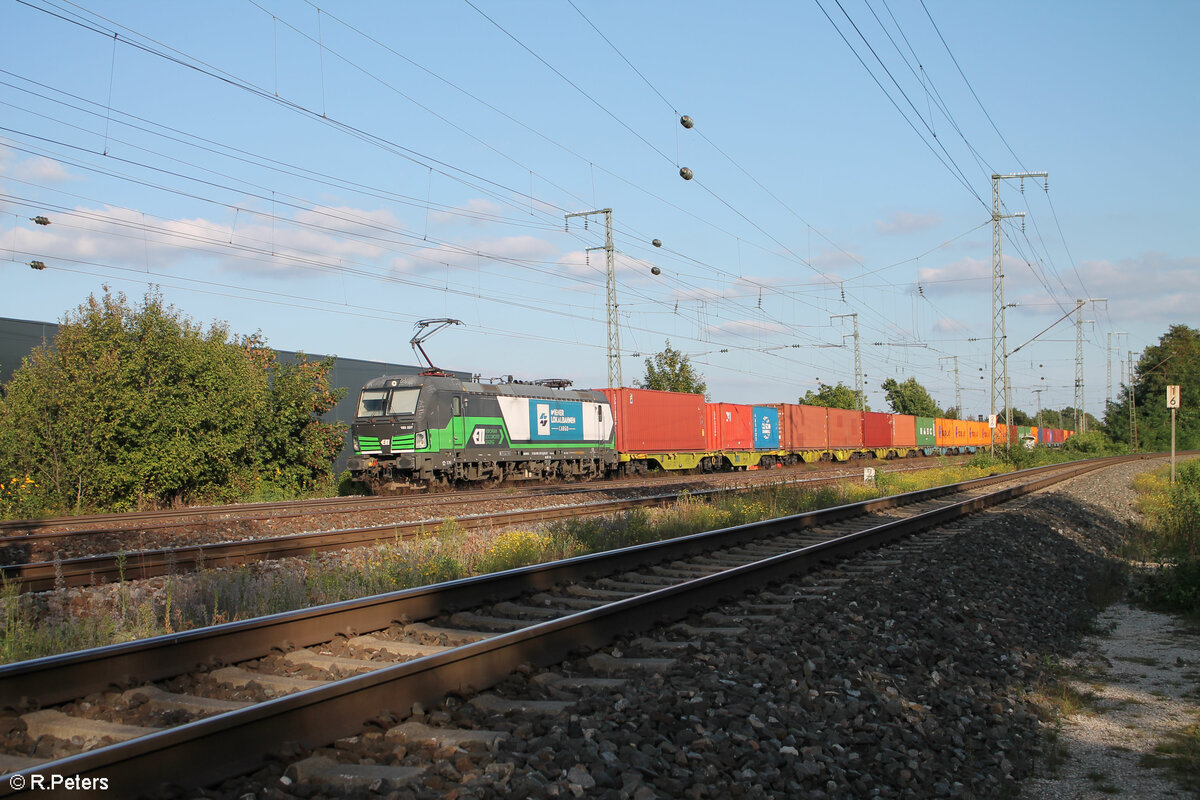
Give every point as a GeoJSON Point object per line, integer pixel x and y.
{"type": "Point", "coordinates": [716, 291]}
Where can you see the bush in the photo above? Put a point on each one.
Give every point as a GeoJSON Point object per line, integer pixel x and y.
{"type": "Point", "coordinates": [134, 407]}
{"type": "Point", "coordinates": [1170, 538]}
{"type": "Point", "coordinates": [1174, 587]}
{"type": "Point", "coordinates": [1092, 443]}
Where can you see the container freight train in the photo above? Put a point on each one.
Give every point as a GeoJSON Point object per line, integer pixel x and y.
{"type": "Point", "coordinates": [418, 431]}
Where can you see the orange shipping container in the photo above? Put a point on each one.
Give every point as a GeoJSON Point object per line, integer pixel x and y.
{"type": "Point", "coordinates": [730, 426]}
{"type": "Point", "coordinates": [904, 430]}
{"type": "Point", "coordinates": [951, 433]}
{"type": "Point", "coordinates": [845, 428]}
{"type": "Point", "coordinates": [802, 427]}
{"type": "Point", "coordinates": [978, 434]}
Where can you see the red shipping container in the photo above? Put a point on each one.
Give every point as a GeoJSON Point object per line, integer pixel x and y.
{"type": "Point", "coordinates": [904, 430]}
{"type": "Point", "coordinates": [802, 427]}
{"type": "Point", "coordinates": [653, 421]}
{"type": "Point", "coordinates": [877, 429]}
{"type": "Point", "coordinates": [845, 428]}
{"type": "Point", "coordinates": [730, 426]}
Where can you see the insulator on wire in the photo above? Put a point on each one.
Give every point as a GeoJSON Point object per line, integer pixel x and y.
{"type": "Point", "coordinates": [686, 121]}
{"type": "Point", "coordinates": [685, 173]}
{"type": "Point", "coordinates": [40, 220]}
{"type": "Point", "coordinates": [37, 264]}
{"type": "Point", "coordinates": [657, 242]}
{"type": "Point", "coordinates": [655, 271]}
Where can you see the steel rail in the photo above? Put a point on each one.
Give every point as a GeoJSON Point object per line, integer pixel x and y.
{"type": "Point", "coordinates": [59, 678]}
{"type": "Point", "coordinates": [34, 529]}
{"type": "Point", "coordinates": [39, 576]}
{"type": "Point", "coordinates": [209, 750]}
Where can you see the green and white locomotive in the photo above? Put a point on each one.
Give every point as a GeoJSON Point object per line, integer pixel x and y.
{"type": "Point", "coordinates": [417, 431]}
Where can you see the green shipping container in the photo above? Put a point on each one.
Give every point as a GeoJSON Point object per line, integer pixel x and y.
{"type": "Point", "coordinates": [926, 435]}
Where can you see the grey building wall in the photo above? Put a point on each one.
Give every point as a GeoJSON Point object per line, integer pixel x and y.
{"type": "Point", "coordinates": [18, 337]}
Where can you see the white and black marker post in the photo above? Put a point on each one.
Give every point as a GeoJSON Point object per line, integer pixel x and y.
{"type": "Point", "coordinates": [1172, 403]}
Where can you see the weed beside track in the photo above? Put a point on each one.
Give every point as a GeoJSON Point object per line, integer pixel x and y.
{"type": "Point", "coordinates": [47, 623]}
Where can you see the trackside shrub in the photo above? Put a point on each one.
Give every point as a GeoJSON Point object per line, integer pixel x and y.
{"type": "Point", "coordinates": [1171, 538]}
{"type": "Point", "coordinates": [138, 406]}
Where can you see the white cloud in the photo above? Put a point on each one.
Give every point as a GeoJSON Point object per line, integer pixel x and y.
{"type": "Point", "coordinates": [948, 325]}
{"type": "Point", "coordinates": [830, 261]}
{"type": "Point", "coordinates": [959, 276]}
{"type": "Point", "coordinates": [479, 254]}
{"type": "Point", "coordinates": [748, 327]}
{"type": "Point", "coordinates": [904, 222]}
{"type": "Point", "coordinates": [38, 169]}
{"type": "Point", "coordinates": [476, 211]}
{"type": "Point", "coordinates": [1147, 286]}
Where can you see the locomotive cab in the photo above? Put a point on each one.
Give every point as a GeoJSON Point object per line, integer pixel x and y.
{"type": "Point", "coordinates": [422, 430]}
{"type": "Point", "coordinates": [386, 433]}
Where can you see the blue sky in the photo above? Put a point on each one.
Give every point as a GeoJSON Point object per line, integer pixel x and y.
{"type": "Point", "coordinates": [331, 174]}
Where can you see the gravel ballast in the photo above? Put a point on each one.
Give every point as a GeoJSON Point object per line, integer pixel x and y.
{"type": "Point", "coordinates": [920, 683]}
{"type": "Point", "coordinates": [925, 680]}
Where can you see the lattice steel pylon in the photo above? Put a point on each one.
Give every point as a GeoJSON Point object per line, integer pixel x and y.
{"type": "Point", "coordinates": [859, 388]}
{"type": "Point", "coordinates": [999, 327]}
{"type": "Point", "coordinates": [1108, 351]}
{"type": "Point", "coordinates": [1080, 397]}
{"type": "Point", "coordinates": [957, 385]}
{"type": "Point", "coordinates": [613, 326]}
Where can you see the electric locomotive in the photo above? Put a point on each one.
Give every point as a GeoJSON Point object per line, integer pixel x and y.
{"type": "Point", "coordinates": [418, 431]}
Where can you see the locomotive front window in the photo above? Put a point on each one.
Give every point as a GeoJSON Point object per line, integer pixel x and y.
{"type": "Point", "coordinates": [403, 401]}
{"type": "Point", "coordinates": [370, 402]}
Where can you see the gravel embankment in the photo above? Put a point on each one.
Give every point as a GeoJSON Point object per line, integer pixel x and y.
{"type": "Point", "coordinates": [921, 682]}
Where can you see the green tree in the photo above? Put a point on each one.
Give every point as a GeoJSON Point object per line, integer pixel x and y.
{"type": "Point", "coordinates": [910, 397]}
{"type": "Point", "coordinates": [672, 371]}
{"type": "Point", "coordinates": [840, 396]}
{"type": "Point", "coordinates": [132, 407]}
{"type": "Point", "coordinates": [1175, 360]}
{"type": "Point", "coordinates": [1051, 418]}
{"type": "Point", "coordinates": [298, 447]}
{"type": "Point", "coordinates": [1019, 417]}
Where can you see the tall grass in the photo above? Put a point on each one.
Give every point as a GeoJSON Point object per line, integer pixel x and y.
{"type": "Point", "coordinates": [45, 624]}
{"type": "Point", "coordinates": [1170, 537]}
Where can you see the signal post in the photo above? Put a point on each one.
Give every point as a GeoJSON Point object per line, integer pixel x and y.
{"type": "Point", "coordinates": [1173, 404]}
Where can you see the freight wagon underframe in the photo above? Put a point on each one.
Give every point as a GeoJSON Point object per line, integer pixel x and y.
{"type": "Point", "coordinates": [717, 461]}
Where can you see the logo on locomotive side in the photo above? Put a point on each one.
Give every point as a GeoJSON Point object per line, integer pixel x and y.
{"type": "Point", "coordinates": [487, 435]}
{"type": "Point", "coordinates": [543, 419]}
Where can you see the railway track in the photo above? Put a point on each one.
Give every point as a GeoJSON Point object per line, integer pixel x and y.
{"type": "Point", "coordinates": [142, 562]}
{"type": "Point", "coordinates": [50, 529]}
{"type": "Point", "coordinates": [222, 699]}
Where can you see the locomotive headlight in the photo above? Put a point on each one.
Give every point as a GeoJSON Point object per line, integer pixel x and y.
{"type": "Point", "coordinates": [419, 441]}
